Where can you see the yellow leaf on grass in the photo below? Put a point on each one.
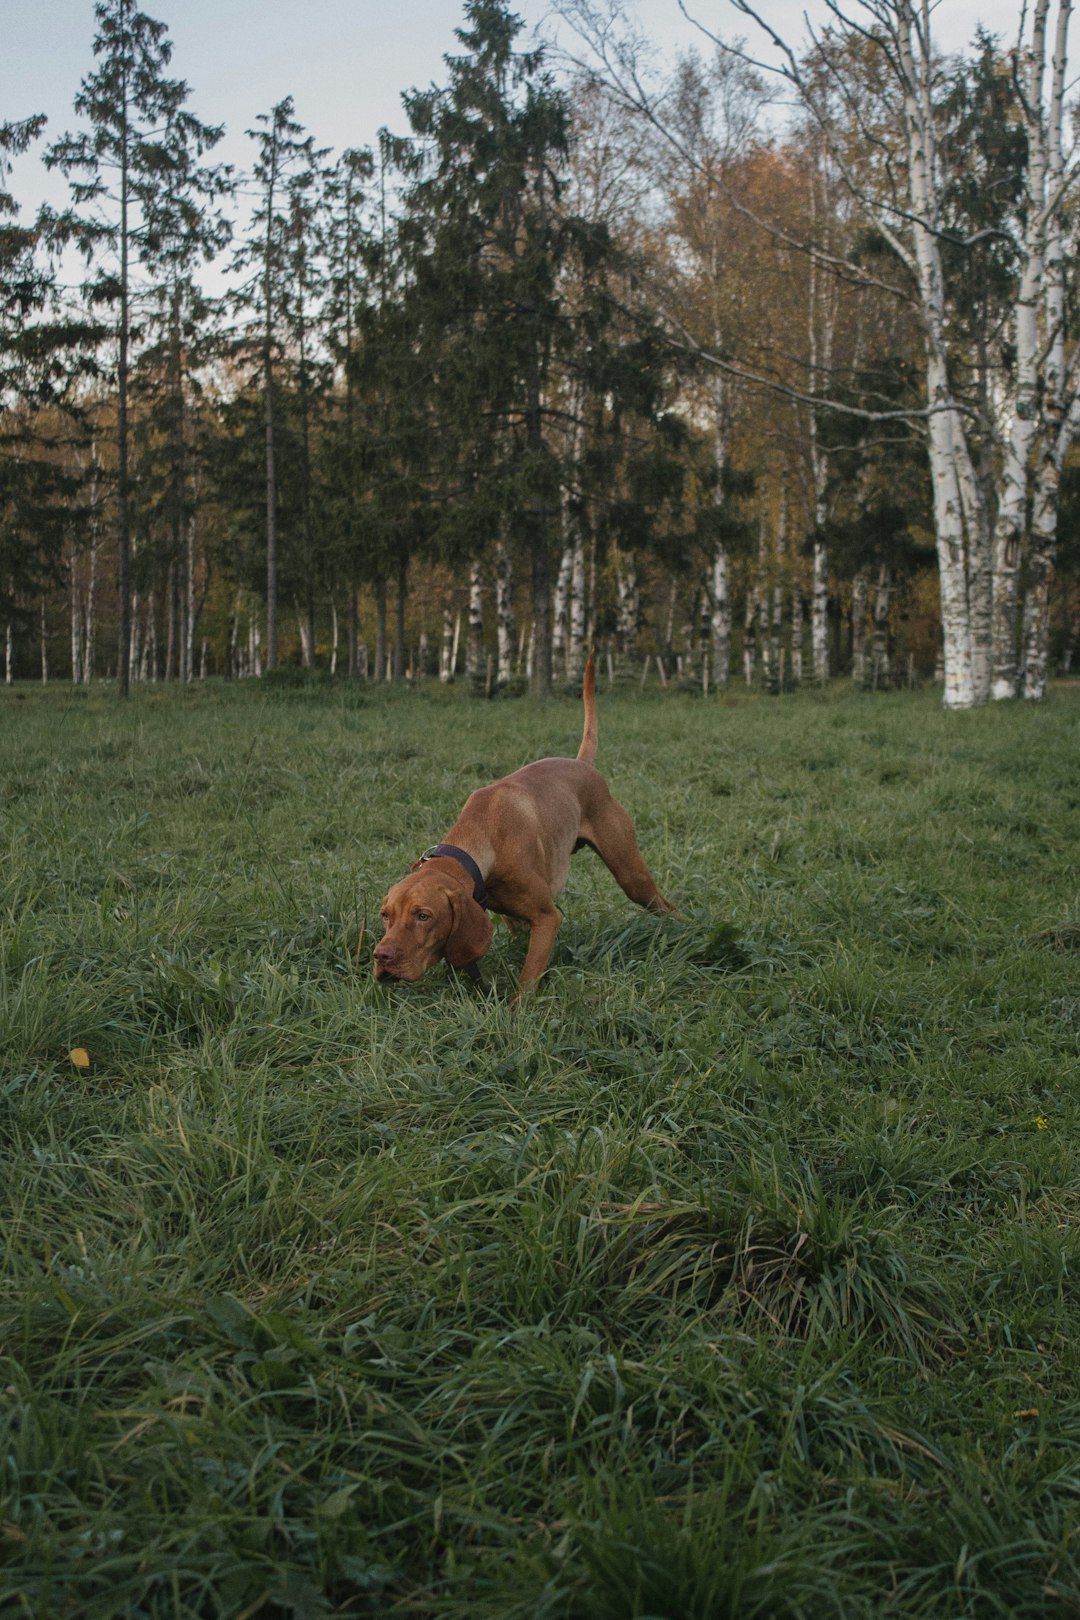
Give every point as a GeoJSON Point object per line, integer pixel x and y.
{"type": "Point", "coordinates": [80, 1057]}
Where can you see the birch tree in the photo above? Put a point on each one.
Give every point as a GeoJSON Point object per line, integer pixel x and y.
{"type": "Point", "coordinates": [903, 191]}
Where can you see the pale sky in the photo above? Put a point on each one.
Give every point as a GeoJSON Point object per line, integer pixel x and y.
{"type": "Point", "coordinates": [344, 62]}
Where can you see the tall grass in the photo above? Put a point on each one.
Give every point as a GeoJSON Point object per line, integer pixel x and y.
{"type": "Point", "coordinates": [733, 1274]}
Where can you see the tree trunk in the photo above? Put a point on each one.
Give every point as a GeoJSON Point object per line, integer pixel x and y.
{"type": "Point", "coordinates": [76, 625]}
{"type": "Point", "coordinates": [474, 646]}
{"type": "Point", "coordinates": [575, 645]}
{"type": "Point", "coordinates": [189, 611]}
{"type": "Point", "coordinates": [561, 610]}
{"type": "Point", "coordinates": [860, 591]}
{"type": "Point", "coordinates": [91, 606]}
{"type": "Point", "coordinates": [354, 631]}
{"type": "Point", "coordinates": [380, 627]}
{"type": "Point", "coordinates": [333, 636]}
{"type": "Point", "coordinates": [44, 648]}
{"type": "Point", "coordinates": [446, 667]}
{"type": "Point", "coordinates": [628, 605]}
{"type": "Point", "coordinates": [172, 602]}
{"type": "Point", "coordinates": [797, 615]}
{"type": "Point", "coordinates": [504, 611]}
{"type": "Point", "coordinates": [880, 655]}
{"type": "Point", "coordinates": [399, 616]}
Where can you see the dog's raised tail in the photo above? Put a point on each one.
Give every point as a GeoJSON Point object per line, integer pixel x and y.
{"type": "Point", "coordinates": [587, 751]}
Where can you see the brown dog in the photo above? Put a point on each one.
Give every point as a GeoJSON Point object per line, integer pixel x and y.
{"type": "Point", "coordinates": [509, 851]}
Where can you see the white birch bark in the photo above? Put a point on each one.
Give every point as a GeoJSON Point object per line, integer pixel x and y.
{"type": "Point", "coordinates": [446, 646]}
{"type": "Point", "coordinates": [44, 648]}
{"type": "Point", "coordinates": [880, 653]}
{"type": "Point", "coordinates": [333, 636]}
{"type": "Point", "coordinates": [956, 499]}
{"type": "Point", "coordinates": [474, 647]}
{"type": "Point", "coordinates": [821, 310]}
{"type": "Point", "coordinates": [750, 635]}
{"type": "Point", "coordinates": [560, 624]}
{"type": "Point", "coordinates": [504, 611]}
{"type": "Point", "coordinates": [718, 585]}
{"type": "Point", "coordinates": [303, 631]}
{"type": "Point", "coordinates": [133, 637]}
{"type": "Point", "coordinates": [627, 603]}
{"type": "Point", "coordinates": [575, 654]}
{"type": "Point", "coordinates": [89, 624]}
{"type": "Point", "coordinates": [7, 654]}
{"type": "Point", "coordinates": [1061, 399]}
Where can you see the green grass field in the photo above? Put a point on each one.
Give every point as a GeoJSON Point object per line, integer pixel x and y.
{"type": "Point", "coordinates": [735, 1274]}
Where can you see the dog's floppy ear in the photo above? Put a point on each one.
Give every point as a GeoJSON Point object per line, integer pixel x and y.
{"type": "Point", "coordinates": [470, 932]}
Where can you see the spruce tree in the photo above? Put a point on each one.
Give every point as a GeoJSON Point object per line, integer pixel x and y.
{"type": "Point", "coordinates": [276, 300]}
{"type": "Point", "coordinates": [118, 171]}
{"type": "Point", "coordinates": [486, 242]}
{"type": "Point", "coordinates": [348, 266]}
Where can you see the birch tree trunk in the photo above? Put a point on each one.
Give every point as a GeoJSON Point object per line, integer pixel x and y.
{"type": "Point", "coordinates": [1061, 398]}
{"type": "Point", "coordinates": [7, 654]}
{"type": "Point", "coordinates": [628, 604]}
{"type": "Point", "coordinates": [474, 646]}
{"type": "Point", "coordinates": [821, 329]}
{"type": "Point", "coordinates": [333, 636]}
{"type": "Point", "coordinates": [504, 611]}
{"type": "Point", "coordinates": [131, 671]}
{"type": "Point", "coordinates": [860, 592]}
{"type": "Point", "coordinates": [446, 649]}
{"type": "Point", "coordinates": [880, 653]}
{"type": "Point", "coordinates": [560, 623]}
{"type": "Point", "coordinates": [797, 616]}
{"type": "Point", "coordinates": [44, 648]}
{"type": "Point", "coordinates": [303, 632]}
{"type": "Point", "coordinates": [718, 584]}
{"type": "Point", "coordinates": [960, 518]}
{"type": "Point", "coordinates": [575, 647]}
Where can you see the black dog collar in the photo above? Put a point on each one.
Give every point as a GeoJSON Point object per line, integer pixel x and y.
{"type": "Point", "coordinates": [480, 894]}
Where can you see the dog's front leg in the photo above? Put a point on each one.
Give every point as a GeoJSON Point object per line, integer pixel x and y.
{"type": "Point", "coordinates": [542, 931]}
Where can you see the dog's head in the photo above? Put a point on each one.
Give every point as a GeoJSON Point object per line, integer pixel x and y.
{"type": "Point", "coordinates": [429, 918]}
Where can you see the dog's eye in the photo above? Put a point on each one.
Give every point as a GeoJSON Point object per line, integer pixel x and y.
{"type": "Point", "coordinates": [423, 916]}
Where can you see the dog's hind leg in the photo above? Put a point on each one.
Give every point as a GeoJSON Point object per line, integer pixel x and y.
{"type": "Point", "coordinates": [611, 833]}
